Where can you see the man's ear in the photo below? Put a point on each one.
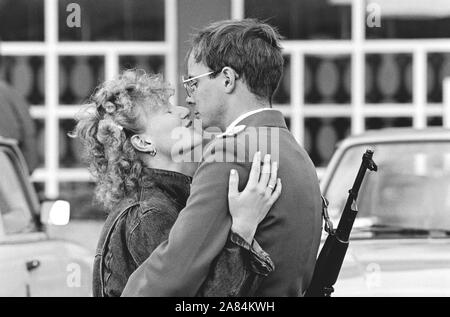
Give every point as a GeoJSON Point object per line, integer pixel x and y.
{"type": "Point", "coordinates": [230, 79]}
{"type": "Point", "coordinates": [141, 143]}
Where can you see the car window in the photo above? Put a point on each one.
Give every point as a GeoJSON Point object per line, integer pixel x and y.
{"type": "Point", "coordinates": [411, 188]}
{"type": "Point", "coordinates": [14, 209]}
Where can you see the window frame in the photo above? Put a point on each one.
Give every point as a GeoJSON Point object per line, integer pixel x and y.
{"type": "Point", "coordinates": [358, 47]}
{"type": "Point", "coordinates": [52, 112]}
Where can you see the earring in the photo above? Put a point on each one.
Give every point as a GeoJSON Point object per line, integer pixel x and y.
{"type": "Point", "coordinates": [152, 152]}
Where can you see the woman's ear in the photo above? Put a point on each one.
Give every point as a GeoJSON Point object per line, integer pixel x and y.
{"type": "Point", "coordinates": [230, 79]}
{"type": "Point", "coordinates": [142, 144]}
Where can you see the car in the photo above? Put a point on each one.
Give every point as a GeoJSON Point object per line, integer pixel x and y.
{"type": "Point", "coordinates": [400, 242]}
{"type": "Point", "coordinates": [31, 262]}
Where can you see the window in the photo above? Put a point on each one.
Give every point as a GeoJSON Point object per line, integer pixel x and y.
{"type": "Point", "coordinates": [327, 79]}
{"type": "Point", "coordinates": [419, 19]}
{"type": "Point", "coordinates": [388, 78]}
{"type": "Point", "coordinates": [21, 20]}
{"type": "Point", "coordinates": [78, 77]}
{"type": "Point", "coordinates": [26, 74]}
{"type": "Point", "coordinates": [15, 212]}
{"type": "Point", "coordinates": [321, 135]}
{"type": "Point", "coordinates": [338, 82]}
{"type": "Point", "coordinates": [294, 18]}
{"type": "Point", "coordinates": [119, 20]}
{"type": "Point", "coordinates": [133, 34]}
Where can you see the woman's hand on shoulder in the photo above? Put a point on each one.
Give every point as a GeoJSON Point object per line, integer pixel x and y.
{"type": "Point", "coordinates": [249, 207]}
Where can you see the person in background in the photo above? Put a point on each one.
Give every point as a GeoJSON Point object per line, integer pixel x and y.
{"type": "Point", "coordinates": [16, 122]}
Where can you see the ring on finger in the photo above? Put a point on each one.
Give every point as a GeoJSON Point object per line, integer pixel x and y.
{"type": "Point", "coordinates": [272, 187]}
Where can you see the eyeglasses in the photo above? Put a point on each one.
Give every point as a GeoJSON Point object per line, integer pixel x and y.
{"type": "Point", "coordinates": [190, 83]}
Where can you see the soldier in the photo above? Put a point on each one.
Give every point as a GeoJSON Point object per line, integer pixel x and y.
{"type": "Point", "coordinates": [234, 67]}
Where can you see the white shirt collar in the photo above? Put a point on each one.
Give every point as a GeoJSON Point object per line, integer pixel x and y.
{"type": "Point", "coordinates": [243, 116]}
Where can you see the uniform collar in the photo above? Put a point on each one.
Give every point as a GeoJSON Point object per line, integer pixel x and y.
{"type": "Point", "coordinates": [233, 124]}
{"type": "Point", "coordinates": [272, 118]}
{"type": "Point", "coordinates": [260, 117]}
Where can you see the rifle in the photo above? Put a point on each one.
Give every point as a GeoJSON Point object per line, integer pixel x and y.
{"type": "Point", "coordinates": [332, 255]}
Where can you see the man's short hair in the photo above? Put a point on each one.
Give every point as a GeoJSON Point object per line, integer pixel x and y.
{"type": "Point", "coordinates": [251, 47]}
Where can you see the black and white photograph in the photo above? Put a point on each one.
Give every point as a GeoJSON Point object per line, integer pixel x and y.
{"type": "Point", "coordinates": [244, 150]}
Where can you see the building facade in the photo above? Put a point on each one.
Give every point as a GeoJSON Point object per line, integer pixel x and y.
{"type": "Point", "coordinates": [350, 65]}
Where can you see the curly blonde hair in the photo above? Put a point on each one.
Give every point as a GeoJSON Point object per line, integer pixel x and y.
{"type": "Point", "coordinates": [114, 114]}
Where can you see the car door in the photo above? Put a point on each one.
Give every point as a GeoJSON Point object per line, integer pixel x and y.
{"type": "Point", "coordinates": [31, 264]}
{"type": "Point", "coordinates": [13, 275]}
{"type": "Point", "coordinates": [16, 224]}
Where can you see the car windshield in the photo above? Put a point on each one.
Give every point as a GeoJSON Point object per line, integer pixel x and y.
{"type": "Point", "coordinates": [410, 192]}
{"type": "Point", "coordinates": [15, 212]}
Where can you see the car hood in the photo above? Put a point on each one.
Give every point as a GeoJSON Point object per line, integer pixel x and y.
{"type": "Point", "coordinates": [396, 267]}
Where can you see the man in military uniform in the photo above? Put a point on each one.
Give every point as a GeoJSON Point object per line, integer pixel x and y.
{"type": "Point", "coordinates": [234, 67]}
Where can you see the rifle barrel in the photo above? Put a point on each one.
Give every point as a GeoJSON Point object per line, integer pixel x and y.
{"type": "Point", "coordinates": [333, 252]}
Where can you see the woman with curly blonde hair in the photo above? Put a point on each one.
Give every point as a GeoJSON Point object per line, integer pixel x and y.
{"type": "Point", "coordinates": [127, 131]}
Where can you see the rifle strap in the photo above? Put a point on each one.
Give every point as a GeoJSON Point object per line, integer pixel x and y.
{"type": "Point", "coordinates": [326, 217]}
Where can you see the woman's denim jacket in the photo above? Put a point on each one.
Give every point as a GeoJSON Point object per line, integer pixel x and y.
{"type": "Point", "coordinates": [137, 226]}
